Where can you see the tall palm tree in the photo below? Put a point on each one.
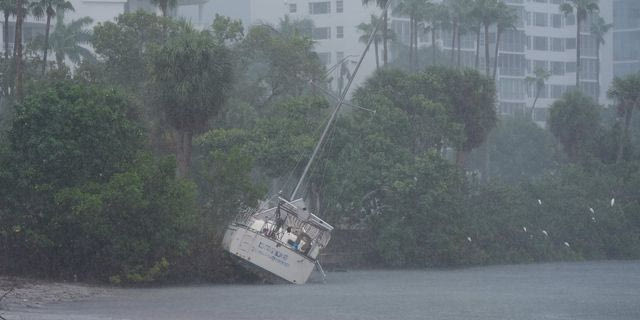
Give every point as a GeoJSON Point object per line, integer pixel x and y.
{"type": "Point", "coordinates": [385, 26]}
{"type": "Point", "coordinates": [438, 16]}
{"type": "Point", "coordinates": [487, 12]}
{"type": "Point", "coordinates": [165, 5]}
{"type": "Point", "coordinates": [366, 29]}
{"type": "Point", "coordinates": [537, 82]}
{"type": "Point", "coordinates": [21, 12]}
{"type": "Point", "coordinates": [465, 26]}
{"type": "Point", "coordinates": [416, 11]}
{"type": "Point", "coordinates": [475, 22]}
{"type": "Point", "coordinates": [582, 8]}
{"type": "Point", "coordinates": [627, 96]}
{"type": "Point", "coordinates": [67, 40]}
{"type": "Point", "coordinates": [454, 9]}
{"type": "Point", "coordinates": [48, 8]}
{"type": "Point", "coordinates": [599, 28]}
{"type": "Point", "coordinates": [8, 8]}
{"type": "Point", "coordinates": [507, 19]}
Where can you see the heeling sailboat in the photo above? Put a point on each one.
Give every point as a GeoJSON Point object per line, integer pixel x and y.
{"type": "Point", "coordinates": [282, 243]}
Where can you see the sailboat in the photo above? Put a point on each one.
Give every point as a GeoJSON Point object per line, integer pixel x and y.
{"type": "Point", "coordinates": [282, 243]}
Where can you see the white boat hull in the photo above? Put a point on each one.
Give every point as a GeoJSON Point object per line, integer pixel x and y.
{"type": "Point", "coordinates": [267, 254]}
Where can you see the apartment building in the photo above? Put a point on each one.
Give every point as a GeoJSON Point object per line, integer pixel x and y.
{"type": "Point", "coordinates": [337, 37]}
{"type": "Point", "coordinates": [98, 10]}
{"type": "Point", "coordinates": [626, 37]}
{"type": "Point", "coordinates": [543, 38]}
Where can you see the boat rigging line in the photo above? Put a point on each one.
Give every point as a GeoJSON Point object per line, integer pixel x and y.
{"type": "Point", "coordinates": [339, 104]}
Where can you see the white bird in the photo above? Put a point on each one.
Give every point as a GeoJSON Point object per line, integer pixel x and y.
{"type": "Point", "coordinates": [567, 244]}
{"type": "Point", "coordinates": [613, 201]}
{"type": "Point", "coordinates": [593, 219]}
{"type": "Point", "coordinates": [545, 233]}
{"type": "Point", "coordinates": [591, 209]}
{"type": "Point", "coordinates": [539, 202]}
{"type": "Point", "coordinates": [469, 239]}
{"type": "Point", "coordinates": [525, 229]}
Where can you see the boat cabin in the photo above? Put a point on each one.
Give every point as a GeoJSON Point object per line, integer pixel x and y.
{"type": "Point", "coordinates": [292, 225]}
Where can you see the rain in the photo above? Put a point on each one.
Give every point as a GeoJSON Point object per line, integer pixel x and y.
{"type": "Point", "coordinates": [320, 159]}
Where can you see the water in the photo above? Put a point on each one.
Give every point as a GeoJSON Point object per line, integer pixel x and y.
{"type": "Point", "coordinates": [592, 290]}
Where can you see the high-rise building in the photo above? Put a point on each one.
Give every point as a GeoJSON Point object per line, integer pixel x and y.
{"type": "Point", "coordinates": [626, 37]}
{"type": "Point", "coordinates": [337, 39]}
{"type": "Point", "coordinates": [541, 38]}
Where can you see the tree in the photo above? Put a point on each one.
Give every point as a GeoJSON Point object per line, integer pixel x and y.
{"type": "Point", "coordinates": [67, 40]}
{"type": "Point", "coordinates": [165, 5]}
{"type": "Point", "coordinates": [272, 65]}
{"type": "Point", "coordinates": [626, 93]}
{"type": "Point", "coordinates": [582, 8]}
{"type": "Point", "coordinates": [122, 46]}
{"type": "Point", "coordinates": [474, 110]}
{"type": "Point", "coordinates": [49, 8]}
{"type": "Point", "coordinates": [292, 28]}
{"type": "Point", "coordinates": [367, 29]}
{"type": "Point", "coordinates": [21, 12]}
{"type": "Point", "coordinates": [439, 17]}
{"type": "Point", "coordinates": [487, 12]}
{"type": "Point", "coordinates": [470, 116]}
{"type": "Point", "coordinates": [476, 25]}
{"type": "Point", "coordinates": [382, 4]}
{"type": "Point", "coordinates": [8, 8]}
{"type": "Point", "coordinates": [598, 29]}
{"type": "Point", "coordinates": [56, 133]}
{"type": "Point", "coordinates": [190, 77]}
{"type": "Point", "coordinates": [416, 11]}
{"type": "Point", "coordinates": [458, 9]}
{"type": "Point", "coordinates": [507, 19]}
{"type": "Point", "coordinates": [537, 82]}
{"type": "Point", "coordinates": [86, 199]}
{"type": "Point", "coordinates": [573, 120]}
{"type": "Point", "coordinates": [224, 29]}
{"type": "Point", "coordinates": [466, 24]}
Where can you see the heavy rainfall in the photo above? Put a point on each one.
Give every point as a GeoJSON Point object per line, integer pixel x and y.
{"type": "Point", "coordinates": [320, 159]}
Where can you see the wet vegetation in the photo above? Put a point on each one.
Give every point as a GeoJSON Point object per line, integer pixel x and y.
{"type": "Point", "coordinates": [128, 166]}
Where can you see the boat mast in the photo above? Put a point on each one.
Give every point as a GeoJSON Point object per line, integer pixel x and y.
{"type": "Point", "coordinates": [343, 95]}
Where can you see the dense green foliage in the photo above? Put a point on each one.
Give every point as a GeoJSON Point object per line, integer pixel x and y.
{"type": "Point", "coordinates": [574, 120]}
{"type": "Point", "coordinates": [422, 211]}
{"type": "Point", "coordinates": [430, 174]}
{"type": "Point", "coordinates": [189, 79]}
{"type": "Point", "coordinates": [80, 194]}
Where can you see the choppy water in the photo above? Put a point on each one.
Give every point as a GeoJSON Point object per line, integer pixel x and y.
{"type": "Point", "coordinates": [592, 290]}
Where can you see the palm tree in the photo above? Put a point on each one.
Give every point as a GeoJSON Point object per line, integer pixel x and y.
{"type": "Point", "coordinates": [538, 81]}
{"type": "Point", "coordinates": [48, 8]}
{"type": "Point", "coordinates": [416, 10]}
{"type": "Point", "coordinates": [165, 5]}
{"type": "Point", "coordinates": [8, 8]}
{"type": "Point", "coordinates": [21, 12]}
{"type": "Point", "coordinates": [457, 11]}
{"type": "Point", "coordinates": [507, 19]}
{"type": "Point", "coordinates": [598, 29]}
{"type": "Point", "coordinates": [475, 22]}
{"type": "Point", "coordinates": [366, 29]}
{"type": "Point", "coordinates": [438, 16]}
{"type": "Point", "coordinates": [67, 40]}
{"type": "Point", "coordinates": [626, 92]}
{"type": "Point", "coordinates": [465, 26]}
{"type": "Point", "coordinates": [582, 8]}
{"type": "Point", "coordinates": [487, 13]}
{"type": "Point", "coordinates": [382, 4]}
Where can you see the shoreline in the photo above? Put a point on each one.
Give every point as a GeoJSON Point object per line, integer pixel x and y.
{"type": "Point", "coordinates": [34, 293]}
